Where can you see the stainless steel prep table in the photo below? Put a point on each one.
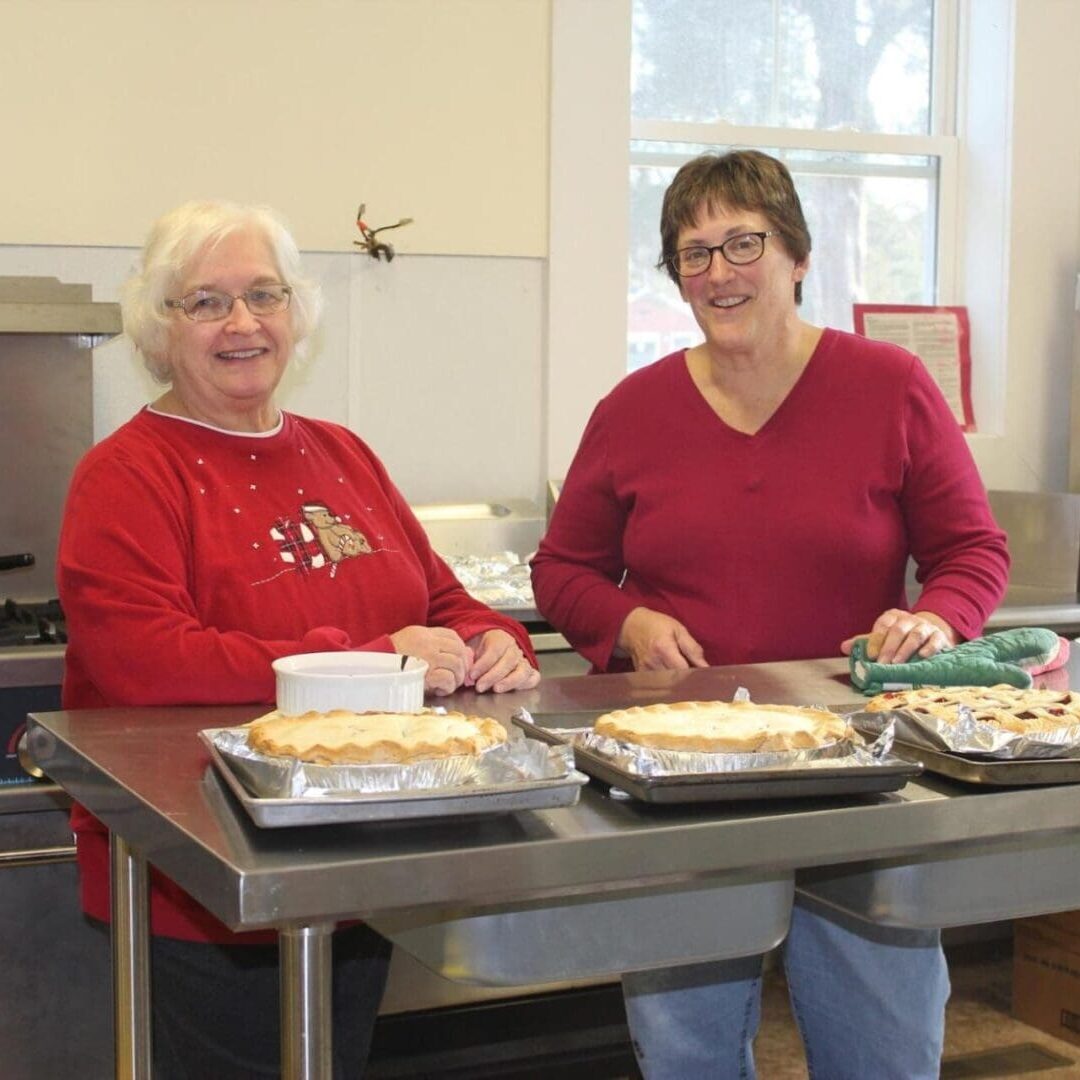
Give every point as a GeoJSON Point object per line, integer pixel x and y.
{"type": "Point", "coordinates": [144, 773]}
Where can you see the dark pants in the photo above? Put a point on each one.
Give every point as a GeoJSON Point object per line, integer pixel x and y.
{"type": "Point", "coordinates": [216, 1008]}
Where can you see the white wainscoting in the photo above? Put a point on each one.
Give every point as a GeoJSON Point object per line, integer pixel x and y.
{"type": "Point", "coordinates": [437, 361]}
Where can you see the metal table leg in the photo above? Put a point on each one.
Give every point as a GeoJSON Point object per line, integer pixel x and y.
{"type": "Point", "coordinates": [306, 971]}
{"type": "Point", "coordinates": [130, 960]}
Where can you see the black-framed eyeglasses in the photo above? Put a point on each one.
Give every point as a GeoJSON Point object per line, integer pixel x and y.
{"type": "Point", "coordinates": [737, 250]}
{"type": "Point", "coordinates": [209, 305]}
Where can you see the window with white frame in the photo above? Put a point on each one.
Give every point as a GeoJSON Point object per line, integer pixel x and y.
{"type": "Point", "coordinates": [857, 97]}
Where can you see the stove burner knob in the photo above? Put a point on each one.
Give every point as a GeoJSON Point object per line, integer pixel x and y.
{"type": "Point", "coordinates": [28, 764]}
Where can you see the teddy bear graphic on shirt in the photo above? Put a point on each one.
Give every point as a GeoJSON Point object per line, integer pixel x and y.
{"type": "Point", "coordinates": [319, 539]}
{"type": "Point", "coordinates": [338, 540]}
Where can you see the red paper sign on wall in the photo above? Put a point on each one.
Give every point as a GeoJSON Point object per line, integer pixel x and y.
{"type": "Point", "coordinates": [939, 336]}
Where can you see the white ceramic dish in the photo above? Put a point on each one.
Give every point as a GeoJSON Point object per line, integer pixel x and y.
{"type": "Point", "coordinates": [360, 681]}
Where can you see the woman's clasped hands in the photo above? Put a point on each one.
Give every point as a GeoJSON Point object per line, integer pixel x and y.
{"type": "Point", "coordinates": [499, 664]}
{"type": "Point", "coordinates": [491, 660]}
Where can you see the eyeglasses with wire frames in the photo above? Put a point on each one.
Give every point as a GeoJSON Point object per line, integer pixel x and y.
{"type": "Point", "coordinates": [738, 250]}
{"type": "Point", "coordinates": [210, 305]}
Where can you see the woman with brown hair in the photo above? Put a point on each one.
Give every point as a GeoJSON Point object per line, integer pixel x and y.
{"type": "Point", "coordinates": [756, 498]}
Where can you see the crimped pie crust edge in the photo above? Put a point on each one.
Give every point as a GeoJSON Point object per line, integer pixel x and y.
{"type": "Point", "coordinates": [823, 727]}
{"type": "Point", "coordinates": [323, 738]}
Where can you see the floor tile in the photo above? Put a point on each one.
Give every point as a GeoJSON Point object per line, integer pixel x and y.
{"type": "Point", "coordinates": [982, 1039]}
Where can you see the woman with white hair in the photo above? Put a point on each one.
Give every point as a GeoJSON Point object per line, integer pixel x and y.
{"type": "Point", "coordinates": [213, 533]}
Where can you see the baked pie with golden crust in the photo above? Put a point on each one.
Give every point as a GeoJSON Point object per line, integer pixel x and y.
{"type": "Point", "coordinates": [739, 727]}
{"type": "Point", "coordinates": [342, 737]}
{"type": "Point", "coordinates": [1007, 707]}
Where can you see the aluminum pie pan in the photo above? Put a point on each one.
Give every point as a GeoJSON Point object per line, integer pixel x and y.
{"type": "Point", "coordinates": [655, 761]}
{"type": "Point", "coordinates": [970, 737]}
{"type": "Point", "coordinates": [867, 770]}
{"type": "Point", "coordinates": [283, 776]}
{"type": "Point", "coordinates": [528, 776]}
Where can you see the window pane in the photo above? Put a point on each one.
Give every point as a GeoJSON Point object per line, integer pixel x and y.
{"type": "Point", "coordinates": [658, 320]}
{"type": "Point", "coordinates": [871, 219]}
{"type": "Point", "coordinates": [862, 65]}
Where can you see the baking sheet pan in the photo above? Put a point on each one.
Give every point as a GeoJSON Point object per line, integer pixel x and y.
{"type": "Point", "coordinates": [995, 772]}
{"type": "Point", "coordinates": [467, 800]}
{"type": "Point", "coordinates": [891, 774]}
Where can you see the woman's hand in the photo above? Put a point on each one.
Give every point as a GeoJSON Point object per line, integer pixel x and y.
{"type": "Point", "coordinates": [448, 657]}
{"type": "Point", "coordinates": [499, 664]}
{"type": "Point", "coordinates": [897, 636]}
{"type": "Point", "coordinates": [657, 642]}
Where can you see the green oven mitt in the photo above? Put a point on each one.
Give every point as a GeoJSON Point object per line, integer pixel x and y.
{"type": "Point", "coordinates": [1009, 657]}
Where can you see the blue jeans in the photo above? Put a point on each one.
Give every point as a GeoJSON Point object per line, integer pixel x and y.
{"type": "Point", "coordinates": [869, 1002]}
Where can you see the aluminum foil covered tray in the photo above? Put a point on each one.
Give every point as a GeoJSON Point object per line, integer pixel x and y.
{"type": "Point", "coordinates": [964, 734]}
{"type": "Point", "coordinates": [500, 580]}
{"type": "Point", "coordinates": [978, 753]}
{"type": "Point", "coordinates": [665, 776]}
{"type": "Point", "coordinates": [525, 774]}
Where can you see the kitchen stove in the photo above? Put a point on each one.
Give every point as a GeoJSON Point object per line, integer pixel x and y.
{"type": "Point", "coordinates": [47, 331]}
{"type": "Point", "coordinates": [25, 623]}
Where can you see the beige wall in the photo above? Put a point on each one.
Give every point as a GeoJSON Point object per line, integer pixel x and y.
{"type": "Point", "coordinates": [1038, 322]}
{"type": "Point", "coordinates": [116, 110]}
{"type": "Point", "coordinates": [1044, 228]}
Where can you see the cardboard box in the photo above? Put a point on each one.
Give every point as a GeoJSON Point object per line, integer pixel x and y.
{"type": "Point", "coordinates": [1067, 922]}
{"type": "Point", "coordinates": [1046, 977]}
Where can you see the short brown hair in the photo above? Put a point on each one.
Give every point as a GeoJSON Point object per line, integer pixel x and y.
{"type": "Point", "coordinates": [737, 180]}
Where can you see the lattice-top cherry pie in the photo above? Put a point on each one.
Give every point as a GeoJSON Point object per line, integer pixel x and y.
{"type": "Point", "coordinates": [1021, 711]}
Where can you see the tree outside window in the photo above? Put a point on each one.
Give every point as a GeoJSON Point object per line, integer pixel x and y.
{"type": "Point", "coordinates": [850, 94]}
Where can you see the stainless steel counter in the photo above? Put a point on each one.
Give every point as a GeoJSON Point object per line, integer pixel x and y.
{"type": "Point", "coordinates": [1035, 605]}
{"type": "Point", "coordinates": [143, 772]}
